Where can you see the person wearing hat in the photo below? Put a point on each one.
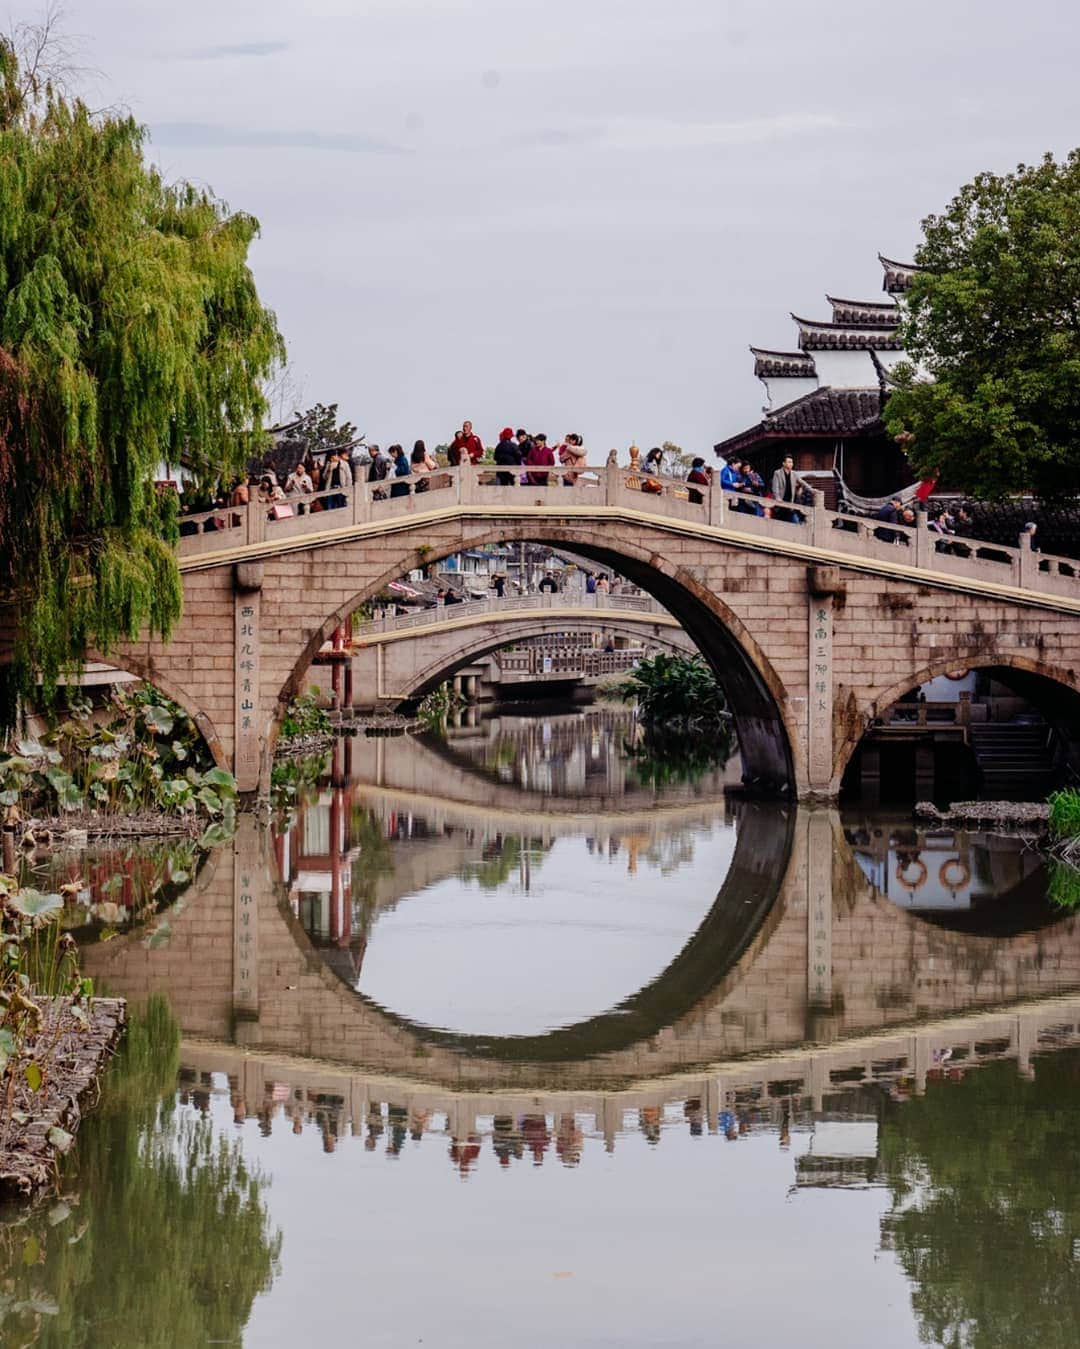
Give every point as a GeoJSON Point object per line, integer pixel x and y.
{"type": "Point", "coordinates": [508, 455]}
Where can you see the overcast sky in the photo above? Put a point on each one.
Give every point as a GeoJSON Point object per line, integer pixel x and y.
{"type": "Point", "coordinates": [575, 214]}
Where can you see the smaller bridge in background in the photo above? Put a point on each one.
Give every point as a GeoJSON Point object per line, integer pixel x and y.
{"type": "Point", "coordinates": [400, 657]}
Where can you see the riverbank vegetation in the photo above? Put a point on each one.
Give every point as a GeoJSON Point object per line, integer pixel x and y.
{"type": "Point", "coordinates": [992, 320]}
{"type": "Point", "coordinates": [52, 1037]}
{"type": "Point", "coordinates": [138, 762]}
{"type": "Point", "coordinates": [1063, 827]}
{"type": "Point", "coordinates": [132, 336]}
{"type": "Point", "coordinates": [675, 692]}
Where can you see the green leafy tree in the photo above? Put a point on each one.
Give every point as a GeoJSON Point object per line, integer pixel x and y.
{"type": "Point", "coordinates": [131, 333]}
{"type": "Point", "coordinates": [992, 323]}
{"type": "Point", "coordinates": [673, 690]}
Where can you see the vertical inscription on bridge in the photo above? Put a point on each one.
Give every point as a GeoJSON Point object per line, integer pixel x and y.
{"type": "Point", "coordinates": [819, 702]}
{"type": "Point", "coordinates": [247, 757]}
{"type": "Point", "coordinates": [826, 589]}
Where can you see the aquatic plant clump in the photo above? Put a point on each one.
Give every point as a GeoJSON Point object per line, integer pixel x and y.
{"type": "Point", "coordinates": [141, 753]}
{"type": "Point", "coordinates": [675, 691]}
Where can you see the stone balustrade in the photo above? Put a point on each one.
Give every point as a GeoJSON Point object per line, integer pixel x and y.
{"type": "Point", "coordinates": [603, 490]}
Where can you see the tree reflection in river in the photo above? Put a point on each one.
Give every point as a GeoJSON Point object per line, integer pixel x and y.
{"type": "Point", "coordinates": [163, 1238]}
{"type": "Point", "coordinates": [985, 1180]}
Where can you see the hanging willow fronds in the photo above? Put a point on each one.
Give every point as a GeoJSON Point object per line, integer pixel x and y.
{"type": "Point", "coordinates": [131, 333]}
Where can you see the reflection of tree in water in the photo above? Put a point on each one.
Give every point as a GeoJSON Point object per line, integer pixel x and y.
{"type": "Point", "coordinates": [662, 758]}
{"type": "Point", "coordinates": [170, 1242]}
{"type": "Point", "coordinates": [501, 858]}
{"type": "Point", "coordinates": [985, 1179]}
{"type": "Point", "coordinates": [374, 860]}
{"type": "Point", "coordinates": [671, 851]}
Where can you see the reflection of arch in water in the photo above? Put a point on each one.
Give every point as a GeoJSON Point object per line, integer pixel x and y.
{"type": "Point", "coordinates": [434, 768]}
{"type": "Point", "coordinates": [750, 888]}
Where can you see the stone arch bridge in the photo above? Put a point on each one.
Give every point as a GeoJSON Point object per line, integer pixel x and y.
{"type": "Point", "coordinates": [815, 625]}
{"type": "Point", "coordinates": [395, 659]}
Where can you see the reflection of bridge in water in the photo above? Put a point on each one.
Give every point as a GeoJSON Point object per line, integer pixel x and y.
{"type": "Point", "coordinates": [797, 947]}
{"type": "Point", "coordinates": [778, 1092]}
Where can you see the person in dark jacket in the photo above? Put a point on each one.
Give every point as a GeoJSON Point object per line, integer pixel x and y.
{"type": "Point", "coordinates": [697, 475]}
{"type": "Point", "coordinates": [890, 513]}
{"type": "Point", "coordinates": [401, 470]}
{"type": "Point", "coordinates": [508, 454]}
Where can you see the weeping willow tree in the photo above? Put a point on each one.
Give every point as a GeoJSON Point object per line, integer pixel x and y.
{"type": "Point", "coordinates": [131, 333]}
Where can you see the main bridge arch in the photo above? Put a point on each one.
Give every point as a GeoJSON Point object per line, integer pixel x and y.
{"type": "Point", "coordinates": [676, 577]}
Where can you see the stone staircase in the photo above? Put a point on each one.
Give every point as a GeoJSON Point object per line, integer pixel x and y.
{"type": "Point", "coordinates": [1015, 759]}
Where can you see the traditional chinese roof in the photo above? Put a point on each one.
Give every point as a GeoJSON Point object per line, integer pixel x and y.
{"type": "Point", "coordinates": [828, 413]}
{"type": "Point", "coordinates": [815, 336]}
{"type": "Point", "coordinates": [782, 364]}
{"type": "Point", "coordinates": [871, 313]}
{"type": "Point", "coordinates": [898, 275]}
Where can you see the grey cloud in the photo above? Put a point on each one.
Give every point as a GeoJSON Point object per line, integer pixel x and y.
{"type": "Point", "coordinates": [228, 50]}
{"type": "Point", "coordinates": [208, 135]}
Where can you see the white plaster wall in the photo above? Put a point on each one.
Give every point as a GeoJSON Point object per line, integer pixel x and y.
{"type": "Point", "coordinates": [781, 390]}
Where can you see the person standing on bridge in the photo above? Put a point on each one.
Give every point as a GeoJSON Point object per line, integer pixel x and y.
{"type": "Point", "coordinates": [549, 584]}
{"type": "Point", "coordinates": [507, 454]}
{"type": "Point", "coordinates": [540, 453]}
{"type": "Point", "coordinates": [465, 441]}
{"type": "Point", "coordinates": [401, 470]}
{"type": "Point", "coordinates": [378, 471]}
{"type": "Point", "coordinates": [338, 477]}
{"type": "Point", "coordinates": [700, 478]}
{"type": "Point", "coordinates": [572, 454]}
{"type": "Point", "coordinates": [785, 486]}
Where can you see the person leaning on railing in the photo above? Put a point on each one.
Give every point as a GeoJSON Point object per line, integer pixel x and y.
{"type": "Point", "coordinates": [699, 476]}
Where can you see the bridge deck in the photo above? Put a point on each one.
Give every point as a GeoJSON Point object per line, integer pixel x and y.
{"type": "Point", "coordinates": [246, 533]}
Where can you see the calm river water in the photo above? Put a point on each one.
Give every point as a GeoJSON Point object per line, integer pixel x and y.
{"type": "Point", "coordinates": [535, 1036]}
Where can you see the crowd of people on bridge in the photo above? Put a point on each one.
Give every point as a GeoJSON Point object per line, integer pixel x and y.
{"type": "Point", "coordinates": [324, 481]}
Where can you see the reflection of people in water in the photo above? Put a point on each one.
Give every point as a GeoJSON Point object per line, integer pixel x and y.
{"type": "Point", "coordinates": [464, 1154]}
{"type": "Point", "coordinates": [569, 1139]}
{"type": "Point", "coordinates": [534, 1130]}
{"type": "Point", "coordinates": [397, 1116]}
{"type": "Point", "coordinates": [506, 1140]}
{"type": "Point", "coordinates": [649, 1121]}
{"type": "Point", "coordinates": [694, 1116]}
{"type": "Point", "coordinates": [726, 1122]}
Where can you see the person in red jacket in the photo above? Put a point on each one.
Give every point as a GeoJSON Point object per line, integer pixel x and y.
{"type": "Point", "coordinates": [466, 442]}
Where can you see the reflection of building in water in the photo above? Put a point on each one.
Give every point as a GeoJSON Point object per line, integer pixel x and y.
{"type": "Point", "coordinates": [944, 869]}
{"type": "Point", "coordinates": [843, 1153]}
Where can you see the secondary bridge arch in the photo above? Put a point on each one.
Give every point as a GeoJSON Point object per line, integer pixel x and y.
{"type": "Point", "coordinates": [396, 659]}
